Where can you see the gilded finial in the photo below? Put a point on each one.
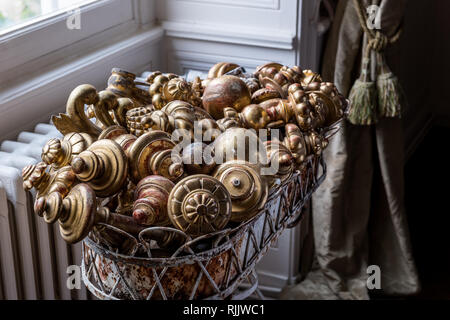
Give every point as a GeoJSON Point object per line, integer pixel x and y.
{"type": "Point", "coordinates": [35, 176]}
{"type": "Point", "coordinates": [59, 153]}
{"type": "Point", "coordinates": [248, 189]}
{"type": "Point", "coordinates": [199, 204]}
{"type": "Point", "coordinates": [103, 166]}
{"type": "Point", "coordinates": [150, 206]}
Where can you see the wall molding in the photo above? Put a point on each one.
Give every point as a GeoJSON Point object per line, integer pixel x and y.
{"type": "Point", "coordinates": [185, 60]}
{"type": "Point", "coordinates": [268, 38]}
{"type": "Point", "coordinates": [261, 4]}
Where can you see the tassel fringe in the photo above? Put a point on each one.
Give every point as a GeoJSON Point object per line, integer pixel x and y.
{"type": "Point", "coordinates": [363, 103]}
{"type": "Point", "coordinates": [389, 95]}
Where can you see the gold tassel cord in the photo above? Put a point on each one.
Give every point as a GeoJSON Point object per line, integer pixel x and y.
{"type": "Point", "coordinates": [369, 101]}
{"type": "Point", "coordinates": [363, 97]}
{"type": "Point", "coordinates": [363, 103]}
{"type": "Point", "coordinates": [389, 95]}
{"type": "Point", "coordinates": [390, 92]}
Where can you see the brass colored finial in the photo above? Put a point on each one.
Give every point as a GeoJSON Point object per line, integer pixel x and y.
{"type": "Point", "coordinates": [199, 204]}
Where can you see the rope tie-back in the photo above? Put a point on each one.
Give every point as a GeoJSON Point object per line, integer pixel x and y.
{"type": "Point", "coordinates": [368, 99]}
{"type": "Point", "coordinates": [372, 34]}
{"type": "Point", "coordinates": [379, 43]}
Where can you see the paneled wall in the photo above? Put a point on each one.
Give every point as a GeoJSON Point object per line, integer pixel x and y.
{"type": "Point", "coordinates": [200, 32]}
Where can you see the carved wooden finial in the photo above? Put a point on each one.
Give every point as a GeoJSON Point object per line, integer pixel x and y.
{"type": "Point", "coordinates": [150, 206]}
{"type": "Point", "coordinates": [103, 166]}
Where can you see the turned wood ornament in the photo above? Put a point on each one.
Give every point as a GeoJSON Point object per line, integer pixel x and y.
{"type": "Point", "coordinates": [165, 88]}
{"type": "Point", "coordinates": [302, 144]}
{"type": "Point", "coordinates": [78, 213]}
{"type": "Point", "coordinates": [120, 112]}
{"type": "Point", "coordinates": [179, 106]}
{"type": "Point", "coordinates": [120, 135]}
{"type": "Point", "coordinates": [316, 106]}
{"type": "Point", "coordinates": [197, 86]}
{"type": "Point", "coordinates": [107, 107]}
{"type": "Point", "coordinates": [59, 153]}
{"type": "Point", "coordinates": [135, 117]}
{"type": "Point", "coordinates": [225, 91]}
{"type": "Point", "coordinates": [125, 199]}
{"type": "Point", "coordinates": [198, 158]}
{"type": "Point", "coordinates": [310, 76]}
{"type": "Point", "coordinates": [150, 206]}
{"type": "Point", "coordinates": [295, 141]}
{"type": "Point", "coordinates": [209, 130]}
{"type": "Point", "coordinates": [220, 69]}
{"type": "Point", "coordinates": [277, 77]}
{"type": "Point", "coordinates": [328, 102]}
{"type": "Point", "coordinates": [315, 142]}
{"type": "Point", "coordinates": [281, 160]}
{"type": "Point", "coordinates": [122, 84]}
{"type": "Point", "coordinates": [248, 189]}
{"type": "Point", "coordinates": [239, 144]}
{"type": "Point", "coordinates": [103, 166]}
{"type": "Point", "coordinates": [151, 154]}
{"type": "Point", "coordinates": [253, 85]}
{"type": "Point", "coordinates": [253, 116]}
{"type": "Point", "coordinates": [39, 176]}
{"type": "Point", "coordinates": [75, 118]}
{"type": "Point", "coordinates": [176, 115]}
{"type": "Point", "coordinates": [182, 116]}
{"type": "Point", "coordinates": [180, 89]}
{"type": "Point", "coordinates": [230, 120]}
{"type": "Point", "coordinates": [272, 113]}
{"type": "Point", "coordinates": [157, 80]}
{"type": "Point", "coordinates": [199, 204]}
{"type": "Point", "coordinates": [264, 94]}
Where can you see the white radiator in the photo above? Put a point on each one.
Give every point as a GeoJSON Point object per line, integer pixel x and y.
{"type": "Point", "coordinates": [33, 256]}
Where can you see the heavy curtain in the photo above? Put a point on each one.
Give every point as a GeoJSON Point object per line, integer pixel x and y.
{"type": "Point", "coordinates": [358, 214]}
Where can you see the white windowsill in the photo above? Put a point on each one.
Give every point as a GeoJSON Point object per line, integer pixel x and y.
{"type": "Point", "coordinates": [44, 93]}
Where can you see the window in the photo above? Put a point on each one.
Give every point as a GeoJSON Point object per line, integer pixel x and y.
{"type": "Point", "coordinates": [42, 59]}
{"type": "Point", "coordinates": [38, 33]}
{"type": "Point", "coordinates": [14, 14]}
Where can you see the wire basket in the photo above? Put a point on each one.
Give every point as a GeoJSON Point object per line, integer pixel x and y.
{"type": "Point", "coordinates": [214, 266]}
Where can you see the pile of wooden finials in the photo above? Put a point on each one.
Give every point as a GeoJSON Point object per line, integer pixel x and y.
{"type": "Point", "coordinates": [120, 162]}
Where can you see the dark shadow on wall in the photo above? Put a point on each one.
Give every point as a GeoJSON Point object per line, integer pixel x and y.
{"type": "Point", "coordinates": [427, 203]}
{"type": "Point", "coordinates": [423, 64]}
{"type": "Point", "coordinates": [427, 206]}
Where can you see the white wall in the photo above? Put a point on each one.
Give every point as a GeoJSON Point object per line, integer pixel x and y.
{"type": "Point", "coordinates": [200, 32]}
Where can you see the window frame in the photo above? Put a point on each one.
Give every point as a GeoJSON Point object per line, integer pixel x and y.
{"type": "Point", "coordinates": [50, 35]}
{"type": "Point", "coordinates": [33, 89]}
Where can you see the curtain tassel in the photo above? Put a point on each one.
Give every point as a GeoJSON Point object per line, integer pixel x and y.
{"type": "Point", "coordinates": [389, 95]}
{"type": "Point", "coordinates": [363, 99]}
